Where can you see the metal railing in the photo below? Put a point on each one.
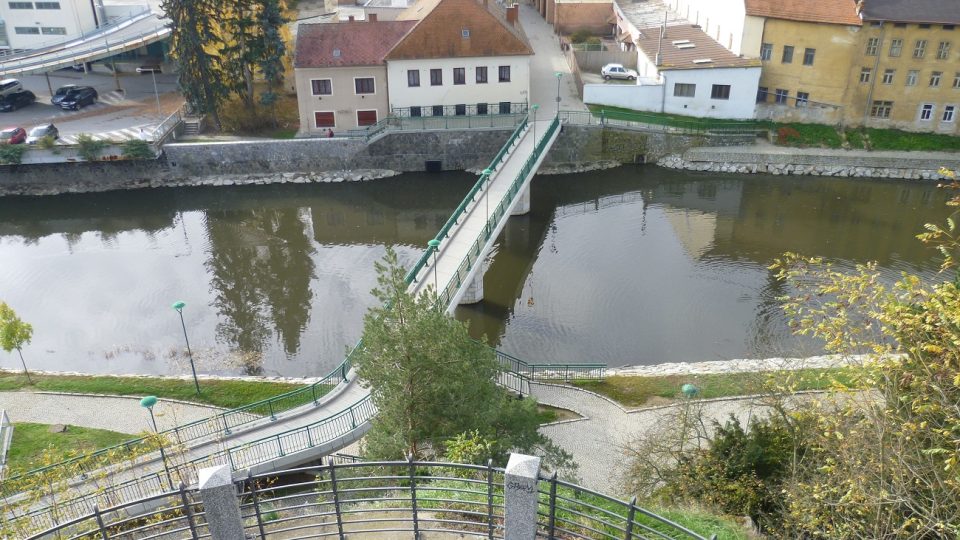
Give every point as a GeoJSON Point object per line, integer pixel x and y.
{"type": "Point", "coordinates": [61, 44]}
{"type": "Point", "coordinates": [478, 109]}
{"type": "Point", "coordinates": [661, 123]}
{"type": "Point", "coordinates": [6, 436]}
{"type": "Point", "coordinates": [387, 499]}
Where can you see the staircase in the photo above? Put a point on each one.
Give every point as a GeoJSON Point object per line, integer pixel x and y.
{"type": "Point", "coordinates": [192, 126]}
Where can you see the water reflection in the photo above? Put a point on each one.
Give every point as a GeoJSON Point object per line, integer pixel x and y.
{"type": "Point", "coordinates": [630, 266]}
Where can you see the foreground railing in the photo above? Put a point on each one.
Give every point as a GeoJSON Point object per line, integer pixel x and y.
{"type": "Point", "coordinates": [6, 435]}
{"type": "Point", "coordinates": [396, 499]}
{"type": "Point", "coordinates": [662, 123]}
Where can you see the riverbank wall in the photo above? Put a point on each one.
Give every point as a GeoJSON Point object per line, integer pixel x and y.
{"type": "Point", "coordinates": [757, 159]}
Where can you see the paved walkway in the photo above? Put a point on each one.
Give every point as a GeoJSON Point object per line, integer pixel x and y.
{"type": "Point", "coordinates": [123, 414]}
{"type": "Point", "coordinates": [548, 60]}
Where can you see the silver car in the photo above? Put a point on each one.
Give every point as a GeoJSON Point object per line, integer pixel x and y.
{"type": "Point", "coordinates": [10, 86]}
{"type": "Point", "coordinates": [617, 71]}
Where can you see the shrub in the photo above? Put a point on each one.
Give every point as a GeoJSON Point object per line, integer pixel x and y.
{"type": "Point", "coordinates": [137, 149]}
{"type": "Point", "coordinates": [580, 36]}
{"type": "Point", "coordinates": [90, 148]}
{"type": "Point", "coordinates": [11, 154]}
{"type": "Point", "coordinates": [48, 143]}
{"type": "Point", "coordinates": [787, 135]}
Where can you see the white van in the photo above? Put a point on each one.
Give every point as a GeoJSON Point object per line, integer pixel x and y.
{"type": "Point", "coordinates": [10, 86]}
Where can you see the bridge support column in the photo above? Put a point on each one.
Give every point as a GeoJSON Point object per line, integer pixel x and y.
{"type": "Point", "coordinates": [219, 497]}
{"type": "Point", "coordinates": [473, 292]}
{"type": "Point", "coordinates": [523, 202]}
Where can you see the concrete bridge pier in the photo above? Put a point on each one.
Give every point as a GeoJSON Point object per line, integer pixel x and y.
{"type": "Point", "coordinates": [523, 202]}
{"type": "Point", "coordinates": [473, 291]}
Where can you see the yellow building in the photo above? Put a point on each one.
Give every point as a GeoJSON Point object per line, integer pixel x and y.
{"type": "Point", "coordinates": [906, 72]}
{"type": "Point", "coordinates": [807, 50]}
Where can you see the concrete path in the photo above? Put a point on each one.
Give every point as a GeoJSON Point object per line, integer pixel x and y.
{"type": "Point", "coordinates": [116, 413]}
{"type": "Point", "coordinates": [548, 60]}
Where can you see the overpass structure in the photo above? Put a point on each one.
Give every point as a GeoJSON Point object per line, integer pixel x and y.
{"type": "Point", "coordinates": [120, 36]}
{"type": "Point", "coordinates": [324, 417]}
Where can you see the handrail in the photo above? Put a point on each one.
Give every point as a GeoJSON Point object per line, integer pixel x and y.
{"type": "Point", "coordinates": [6, 435]}
{"type": "Point", "coordinates": [98, 32]}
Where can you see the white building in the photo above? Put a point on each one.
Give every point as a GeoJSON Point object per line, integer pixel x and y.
{"type": "Point", "coordinates": [29, 24]}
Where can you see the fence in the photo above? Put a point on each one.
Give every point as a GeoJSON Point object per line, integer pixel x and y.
{"type": "Point", "coordinates": [6, 435]}
{"type": "Point", "coordinates": [661, 123]}
{"type": "Point", "coordinates": [56, 45]}
{"type": "Point", "coordinates": [378, 499]}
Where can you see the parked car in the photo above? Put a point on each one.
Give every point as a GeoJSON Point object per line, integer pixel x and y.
{"type": "Point", "coordinates": [39, 132]}
{"type": "Point", "coordinates": [617, 71]}
{"type": "Point", "coordinates": [62, 93]}
{"type": "Point", "coordinates": [10, 86]}
{"type": "Point", "coordinates": [12, 135]}
{"type": "Point", "coordinates": [80, 96]}
{"type": "Point", "coordinates": [149, 68]}
{"type": "Point", "coordinates": [12, 102]}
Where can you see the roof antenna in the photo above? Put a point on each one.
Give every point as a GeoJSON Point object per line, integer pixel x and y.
{"type": "Point", "coordinates": [663, 34]}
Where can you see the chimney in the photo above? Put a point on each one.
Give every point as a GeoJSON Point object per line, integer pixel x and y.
{"type": "Point", "coordinates": [372, 17]}
{"type": "Point", "coordinates": [350, 18]}
{"type": "Point", "coordinates": [512, 13]}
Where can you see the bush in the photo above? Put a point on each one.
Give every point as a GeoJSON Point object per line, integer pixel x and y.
{"type": "Point", "coordinates": [787, 135]}
{"type": "Point", "coordinates": [90, 148]}
{"type": "Point", "coordinates": [580, 36]}
{"type": "Point", "coordinates": [273, 112]}
{"type": "Point", "coordinates": [48, 143]}
{"type": "Point", "coordinates": [11, 154]}
{"type": "Point", "coordinates": [137, 149]}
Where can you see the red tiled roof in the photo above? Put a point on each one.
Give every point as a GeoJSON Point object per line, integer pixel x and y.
{"type": "Point", "coordinates": [360, 43]}
{"type": "Point", "coordinates": [821, 11]}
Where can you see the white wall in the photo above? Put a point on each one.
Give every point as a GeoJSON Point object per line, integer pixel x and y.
{"type": "Point", "coordinates": [638, 98]}
{"type": "Point", "coordinates": [752, 36]}
{"type": "Point", "coordinates": [723, 20]}
{"type": "Point", "coordinates": [743, 92]}
{"type": "Point", "coordinates": [471, 93]}
{"type": "Point", "coordinates": [73, 16]}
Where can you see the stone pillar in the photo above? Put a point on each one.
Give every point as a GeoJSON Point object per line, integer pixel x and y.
{"type": "Point", "coordinates": [523, 202]}
{"type": "Point", "coordinates": [473, 291]}
{"type": "Point", "coordinates": [520, 497]}
{"type": "Point", "coordinates": [220, 504]}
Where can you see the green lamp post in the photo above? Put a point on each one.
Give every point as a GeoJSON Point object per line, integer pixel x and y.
{"type": "Point", "coordinates": [487, 173]}
{"type": "Point", "coordinates": [534, 108]}
{"type": "Point", "coordinates": [148, 403]}
{"type": "Point", "coordinates": [179, 305]}
{"type": "Point", "coordinates": [435, 247]}
{"type": "Point", "coordinates": [559, 76]}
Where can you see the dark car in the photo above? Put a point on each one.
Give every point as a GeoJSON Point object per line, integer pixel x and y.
{"type": "Point", "coordinates": [62, 93]}
{"type": "Point", "coordinates": [13, 102]}
{"type": "Point", "coordinates": [41, 131]}
{"type": "Point", "coordinates": [80, 96]}
{"type": "Point", "coordinates": [13, 135]}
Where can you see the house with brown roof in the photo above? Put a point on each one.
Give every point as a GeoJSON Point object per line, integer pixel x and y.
{"type": "Point", "coordinates": [341, 73]}
{"type": "Point", "coordinates": [462, 57]}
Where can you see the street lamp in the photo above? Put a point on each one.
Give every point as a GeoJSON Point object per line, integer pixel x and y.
{"type": "Point", "coordinates": [179, 305]}
{"type": "Point", "coordinates": [148, 403]}
{"type": "Point", "coordinates": [486, 192]}
{"type": "Point", "coordinates": [153, 75]}
{"type": "Point", "coordinates": [435, 246]}
{"type": "Point", "coordinates": [534, 108]}
{"type": "Point", "coordinates": [558, 75]}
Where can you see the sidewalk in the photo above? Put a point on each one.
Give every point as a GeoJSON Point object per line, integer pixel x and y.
{"type": "Point", "coordinates": [548, 60]}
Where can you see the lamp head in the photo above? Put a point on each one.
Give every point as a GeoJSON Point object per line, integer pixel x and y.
{"type": "Point", "coordinates": [179, 305]}
{"type": "Point", "coordinates": [689, 390]}
{"type": "Point", "coordinates": [434, 244]}
{"type": "Point", "coordinates": [535, 106]}
{"type": "Point", "coordinates": [148, 402]}
{"type": "Point", "coordinates": [487, 172]}
{"type": "Point", "coordinates": [558, 75]}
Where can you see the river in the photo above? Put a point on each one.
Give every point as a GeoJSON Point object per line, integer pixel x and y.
{"type": "Point", "coordinates": [635, 265]}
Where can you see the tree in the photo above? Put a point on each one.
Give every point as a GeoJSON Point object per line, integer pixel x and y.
{"type": "Point", "coordinates": [14, 334]}
{"type": "Point", "coordinates": [432, 383]}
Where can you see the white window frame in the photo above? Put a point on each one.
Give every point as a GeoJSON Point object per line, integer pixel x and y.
{"type": "Point", "coordinates": [912, 76]}
{"type": "Point", "coordinates": [374, 79]}
{"type": "Point", "coordinates": [952, 110]}
{"type": "Point", "coordinates": [315, 126]}
{"type": "Point", "coordinates": [888, 75]}
{"type": "Point", "coordinates": [324, 79]}
{"type": "Point", "coordinates": [930, 109]}
{"type": "Point", "coordinates": [356, 115]}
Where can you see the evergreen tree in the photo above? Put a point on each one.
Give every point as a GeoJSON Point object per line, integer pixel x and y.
{"type": "Point", "coordinates": [193, 42]}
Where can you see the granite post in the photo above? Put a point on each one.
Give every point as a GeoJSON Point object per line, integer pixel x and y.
{"type": "Point", "coordinates": [220, 504]}
{"type": "Point", "coordinates": [520, 497]}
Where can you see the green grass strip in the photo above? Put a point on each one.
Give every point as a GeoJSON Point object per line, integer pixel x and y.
{"type": "Point", "coordinates": [220, 393]}
{"type": "Point", "coordinates": [30, 441]}
{"type": "Point", "coordinates": [635, 391]}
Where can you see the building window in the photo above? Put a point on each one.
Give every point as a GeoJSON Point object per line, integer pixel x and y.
{"type": "Point", "coordinates": [948, 27]}
{"type": "Point", "coordinates": [720, 91]}
{"type": "Point", "coordinates": [781, 96]}
{"type": "Point", "coordinates": [416, 111]}
{"type": "Point", "coordinates": [460, 110]}
{"type": "Point", "coordinates": [762, 94]}
{"type": "Point", "coordinates": [881, 109]}
{"type": "Point", "coordinates": [766, 51]}
{"type": "Point", "coordinates": [437, 110]}
{"type": "Point", "coordinates": [888, 76]}
{"type": "Point", "coordinates": [324, 119]}
{"type": "Point", "coordinates": [803, 98]}
{"type": "Point", "coordinates": [912, 76]}
{"type": "Point", "coordinates": [923, 26]}
{"type": "Point", "coordinates": [459, 76]}
{"type": "Point", "coordinates": [935, 78]}
{"type": "Point", "coordinates": [413, 77]}
{"type": "Point", "coordinates": [364, 85]}
{"type": "Point", "coordinates": [21, 5]}
{"type": "Point", "coordinates": [873, 45]}
{"type": "Point", "coordinates": [949, 113]}
{"type": "Point", "coordinates": [481, 108]}
{"type": "Point", "coordinates": [943, 51]}
{"type": "Point", "coordinates": [956, 80]}
{"type": "Point", "coordinates": [899, 25]}
{"type": "Point", "coordinates": [26, 30]}
{"type": "Point", "coordinates": [321, 87]}
{"type": "Point", "coordinates": [436, 77]}
{"type": "Point", "coordinates": [47, 5]}
{"type": "Point", "coordinates": [684, 90]}
{"type": "Point", "coordinates": [366, 118]}
{"type": "Point", "coordinates": [808, 55]}
{"type": "Point", "coordinates": [926, 112]}
{"type": "Point", "coordinates": [504, 72]}
{"type": "Point", "coordinates": [504, 107]}
{"type": "Point", "coordinates": [865, 74]}
{"type": "Point", "coordinates": [787, 54]}
{"type": "Point", "coordinates": [896, 47]}
{"type": "Point", "coordinates": [920, 48]}
{"type": "Point", "coordinates": [481, 74]}
{"type": "Point", "coordinates": [53, 31]}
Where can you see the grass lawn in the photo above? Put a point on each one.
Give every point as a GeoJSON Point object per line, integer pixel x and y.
{"type": "Point", "coordinates": [29, 440]}
{"type": "Point", "coordinates": [548, 414]}
{"type": "Point", "coordinates": [892, 139]}
{"type": "Point", "coordinates": [676, 119]}
{"type": "Point", "coordinates": [228, 394]}
{"type": "Point", "coordinates": [632, 391]}
{"type": "Point", "coordinates": [808, 135]}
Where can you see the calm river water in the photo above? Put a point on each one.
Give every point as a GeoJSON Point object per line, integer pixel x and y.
{"type": "Point", "coordinates": [636, 265]}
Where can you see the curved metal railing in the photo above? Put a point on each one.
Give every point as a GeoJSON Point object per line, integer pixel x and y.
{"type": "Point", "coordinates": [386, 499]}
